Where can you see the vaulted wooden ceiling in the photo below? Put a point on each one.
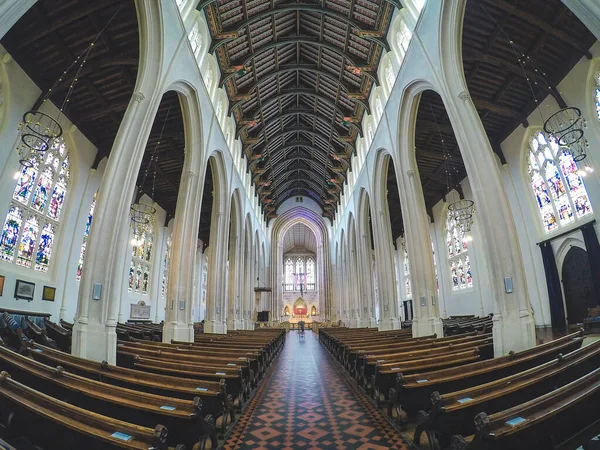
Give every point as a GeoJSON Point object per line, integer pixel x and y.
{"type": "Point", "coordinates": [298, 76]}
{"type": "Point", "coordinates": [546, 31]}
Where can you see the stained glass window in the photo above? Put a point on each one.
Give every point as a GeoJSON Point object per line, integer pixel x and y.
{"type": "Point", "coordinates": [10, 233]}
{"type": "Point", "coordinates": [295, 274]}
{"type": "Point", "coordinates": [407, 278]}
{"type": "Point", "coordinates": [88, 225]}
{"type": "Point", "coordinates": [31, 224]}
{"type": "Point", "coordinates": [166, 263]}
{"type": "Point", "coordinates": [458, 259]}
{"type": "Point", "coordinates": [597, 94]}
{"type": "Point", "coordinates": [141, 262]}
{"type": "Point", "coordinates": [557, 183]}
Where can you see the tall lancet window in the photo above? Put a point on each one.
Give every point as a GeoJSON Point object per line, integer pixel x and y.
{"type": "Point", "coordinates": [289, 274]}
{"type": "Point", "coordinates": [141, 263]}
{"type": "Point", "coordinates": [166, 262]}
{"type": "Point", "coordinates": [88, 225]}
{"type": "Point", "coordinates": [597, 94]}
{"type": "Point", "coordinates": [458, 257]}
{"type": "Point", "coordinates": [300, 274]}
{"type": "Point", "coordinates": [34, 214]}
{"type": "Point", "coordinates": [557, 183]}
{"type": "Point", "coordinates": [407, 279]}
{"type": "Point", "coordinates": [310, 274]}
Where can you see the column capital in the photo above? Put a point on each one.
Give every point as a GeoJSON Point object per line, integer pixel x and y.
{"type": "Point", "coordinates": [464, 96]}
{"type": "Point", "coordinates": [138, 97]}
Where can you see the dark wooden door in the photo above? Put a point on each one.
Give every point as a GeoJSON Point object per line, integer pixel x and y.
{"type": "Point", "coordinates": [578, 285]}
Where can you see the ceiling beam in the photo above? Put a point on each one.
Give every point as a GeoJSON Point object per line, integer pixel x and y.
{"type": "Point", "coordinates": [369, 35]}
{"type": "Point", "coordinates": [542, 25]}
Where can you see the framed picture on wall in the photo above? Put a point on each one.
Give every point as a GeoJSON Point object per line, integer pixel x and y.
{"type": "Point", "coordinates": [1, 285]}
{"type": "Point", "coordinates": [48, 293]}
{"type": "Point", "coordinates": [24, 290]}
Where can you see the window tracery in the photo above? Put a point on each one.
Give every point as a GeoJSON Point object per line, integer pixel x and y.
{"type": "Point", "coordinates": [166, 263]}
{"type": "Point", "coordinates": [88, 225]}
{"type": "Point", "coordinates": [33, 217]}
{"type": "Point", "coordinates": [556, 182]}
{"type": "Point", "coordinates": [299, 270]}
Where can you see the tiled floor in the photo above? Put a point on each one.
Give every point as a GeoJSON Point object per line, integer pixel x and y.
{"type": "Point", "coordinates": [306, 403]}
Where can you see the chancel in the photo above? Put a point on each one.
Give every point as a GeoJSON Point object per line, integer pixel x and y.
{"type": "Point", "coordinates": [287, 224]}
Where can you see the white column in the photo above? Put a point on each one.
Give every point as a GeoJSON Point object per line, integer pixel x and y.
{"type": "Point", "coordinates": [94, 335]}
{"type": "Point", "coordinates": [215, 303]}
{"type": "Point", "coordinates": [233, 286]}
{"type": "Point", "coordinates": [426, 318]}
{"type": "Point", "coordinates": [178, 325]}
{"type": "Point", "coordinates": [388, 304]}
{"type": "Point", "coordinates": [514, 328]}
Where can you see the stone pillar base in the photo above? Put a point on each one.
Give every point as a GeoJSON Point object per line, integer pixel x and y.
{"type": "Point", "coordinates": [178, 332]}
{"type": "Point", "coordinates": [353, 323]}
{"type": "Point", "coordinates": [428, 326]}
{"type": "Point", "coordinates": [373, 323]}
{"type": "Point", "coordinates": [387, 324]}
{"type": "Point", "coordinates": [235, 324]}
{"type": "Point", "coordinates": [95, 341]}
{"type": "Point", "coordinates": [212, 326]}
{"type": "Point", "coordinates": [514, 332]}
{"type": "Point", "coordinates": [362, 323]}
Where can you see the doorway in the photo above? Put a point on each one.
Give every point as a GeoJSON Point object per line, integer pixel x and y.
{"type": "Point", "coordinates": [578, 285]}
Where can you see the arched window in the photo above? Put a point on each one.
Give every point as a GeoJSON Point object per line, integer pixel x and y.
{"type": "Point", "coordinates": [310, 274]}
{"type": "Point", "coordinates": [166, 262]}
{"type": "Point", "coordinates": [195, 38]}
{"type": "Point", "coordinates": [219, 110]}
{"type": "Point", "coordinates": [597, 94]}
{"type": "Point", "coordinates": [458, 258]}
{"type": "Point", "coordinates": [141, 263]}
{"type": "Point", "coordinates": [34, 213]}
{"type": "Point", "coordinates": [289, 274]}
{"type": "Point", "coordinates": [88, 225]}
{"type": "Point", "coordinates": [556, 182]}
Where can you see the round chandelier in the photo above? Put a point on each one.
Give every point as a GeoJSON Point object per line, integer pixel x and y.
{"type": "Point", "coordinates": [461, 213]}
{"type": "Point", "coordinates": [142, 220]}
{"type": "Point", "coordinates": [566, 126]}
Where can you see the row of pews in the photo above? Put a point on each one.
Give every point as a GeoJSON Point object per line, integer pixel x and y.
{"type": "Point", "coordinates": [466, 324]}
{"type": "Point", "coordinates": [50, 399]}
{"type": "Point", "coordinates": [541, 398]}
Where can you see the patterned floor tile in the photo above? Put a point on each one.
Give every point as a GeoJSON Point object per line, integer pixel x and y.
{"type": "Point", "coordinates": [306, 402]}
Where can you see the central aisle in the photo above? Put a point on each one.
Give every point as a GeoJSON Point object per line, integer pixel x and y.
{"type": "Point", "coordinates": [306, 402]}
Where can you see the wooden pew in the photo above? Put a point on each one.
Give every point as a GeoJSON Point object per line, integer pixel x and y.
{"type": "Point", "coordinates": [451, 413]}
{"type": "Point", "coordinates": [54, 424]}
{"type": "Point", "coordinates": [38, 334]}
{"type": "Point", "coordinates": [61, 335]}
{"type": "Point", "coordinates": [413, 391]}
{"type": "Point", "coordinates": [214, 394]}
{"type": "Point", "coordinates": [385, 378]}
{"type": "Point", "coordinates": [184, 418]}
{"type": "Point", "coordinates": [562, 419]}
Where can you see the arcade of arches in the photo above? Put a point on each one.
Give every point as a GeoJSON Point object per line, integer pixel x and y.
{"type": "Point", "coordinates": [302, 161]}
